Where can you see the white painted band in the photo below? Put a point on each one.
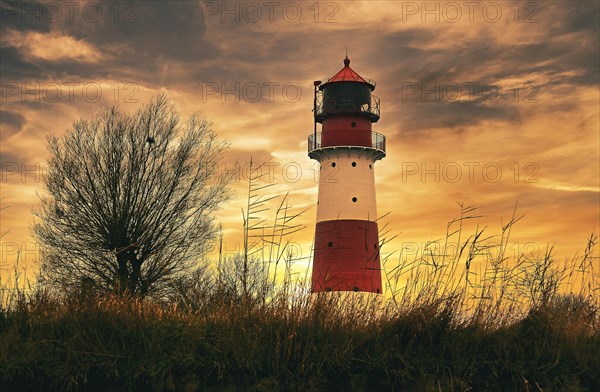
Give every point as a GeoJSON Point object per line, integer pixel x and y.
{"type": "Point", "coordinates": [347, 188]}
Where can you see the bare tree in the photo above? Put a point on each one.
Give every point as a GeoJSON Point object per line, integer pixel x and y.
{"type": "Point", "coordinates": [130, 199]}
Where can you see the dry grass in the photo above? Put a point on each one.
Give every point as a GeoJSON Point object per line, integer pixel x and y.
{"type": "Point", "coordinates": [524, 322]}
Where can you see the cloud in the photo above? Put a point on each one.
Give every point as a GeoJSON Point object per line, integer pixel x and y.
{"type": "Point", "coordinates": [147, 32]}
{"type": "Point", "coordinates": [24, 15]}
{"type": "Point", "coordinates": [11, 122]}
{"type": "Point", "coordinates": [176, 47]}
{"type": "Point", "coordinates": [51, 46]}
{"type": "Point", "coordinates": [14, 67]}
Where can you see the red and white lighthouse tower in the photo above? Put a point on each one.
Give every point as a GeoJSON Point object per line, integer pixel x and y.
{"type": "Point", "coordinates": [346, 253]}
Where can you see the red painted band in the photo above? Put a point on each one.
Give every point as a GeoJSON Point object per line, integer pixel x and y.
{"type": "Point", "coordinates": [347, 122]}
{"type": "Point", "coordinates": [338, 131]}
{"type": "Point", "coordinates": [346, 256]}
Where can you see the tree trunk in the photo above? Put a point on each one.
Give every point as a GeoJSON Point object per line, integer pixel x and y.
{"type": "Point", "coordinates": [123, 274]}
{"type": "Point", "coordinates": [134, 280]}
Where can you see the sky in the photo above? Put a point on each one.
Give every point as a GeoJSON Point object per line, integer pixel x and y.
{"type": "Point", "coordinates": [493, 104]}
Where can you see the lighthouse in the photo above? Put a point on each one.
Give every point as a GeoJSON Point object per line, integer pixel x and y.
{"type": "Point", "coordinates": [346, 249]}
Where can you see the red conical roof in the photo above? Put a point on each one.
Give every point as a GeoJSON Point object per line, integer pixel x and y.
{"type": "Point", "coordinates": [347, 74]}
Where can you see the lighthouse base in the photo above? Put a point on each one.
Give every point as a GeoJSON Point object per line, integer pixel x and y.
{"type": "Point", "coordinates": [346, 257]}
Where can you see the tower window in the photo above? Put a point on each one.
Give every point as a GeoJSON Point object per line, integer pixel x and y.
{"type": "Point", "coordinates": [330, 244]}
{"type": "Point", "coordinates": [354, 199]}
{"type": "Point", "coordinates": [375, 246]}
{"type": "Point", "coordinates": [370, 166]}
{"type": "Point", "coordinates": [353, 124]}
{"type": "Point", "coordinates": [353, 164]}
{"type": "Point", "coordinates": [355, 289]}
{"type": "Point", "coordinates": [332, 164]}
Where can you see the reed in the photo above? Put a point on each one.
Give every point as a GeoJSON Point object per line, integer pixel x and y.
{"type": "Point", "coordinates": [462, 315]}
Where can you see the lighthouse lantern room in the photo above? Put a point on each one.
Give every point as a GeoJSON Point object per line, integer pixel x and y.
{"type": "Point", "coordinates": [346, 249]}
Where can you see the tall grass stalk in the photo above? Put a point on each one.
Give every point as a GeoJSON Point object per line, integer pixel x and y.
{"type": "Point", "coordinates": [463, 314]}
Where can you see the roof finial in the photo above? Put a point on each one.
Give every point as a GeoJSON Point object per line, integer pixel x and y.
{"type": "Point", "coordinates": [347, 60]}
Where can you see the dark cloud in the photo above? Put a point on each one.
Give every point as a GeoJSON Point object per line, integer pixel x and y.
{"type": "Point", "coordinates": [26, 16]}
{"type": "Point", "coordinates": [166, 42]}
{"type": "Point", "coordinates": [8, 159]}
{"type": "Point", "coordinates": [153, 42]}
{"type": "Point", "coordinates": [146, 32]}
{"type": "Point", "coordinates": [574, 16]}
{"type": "Point", "coordinates": [14, 67]}
{"type": "Point", "coordinates": [11, 122]}
{"type": "Point", "coordinates": [454, 115]}
{"type": "Point", "coordinates": [567, 57]}
{"type": "Point", "coordinates": [553, 57]}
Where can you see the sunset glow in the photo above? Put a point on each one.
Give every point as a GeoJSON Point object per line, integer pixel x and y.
{"type": "Point", "coordinates": [493, 104]}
